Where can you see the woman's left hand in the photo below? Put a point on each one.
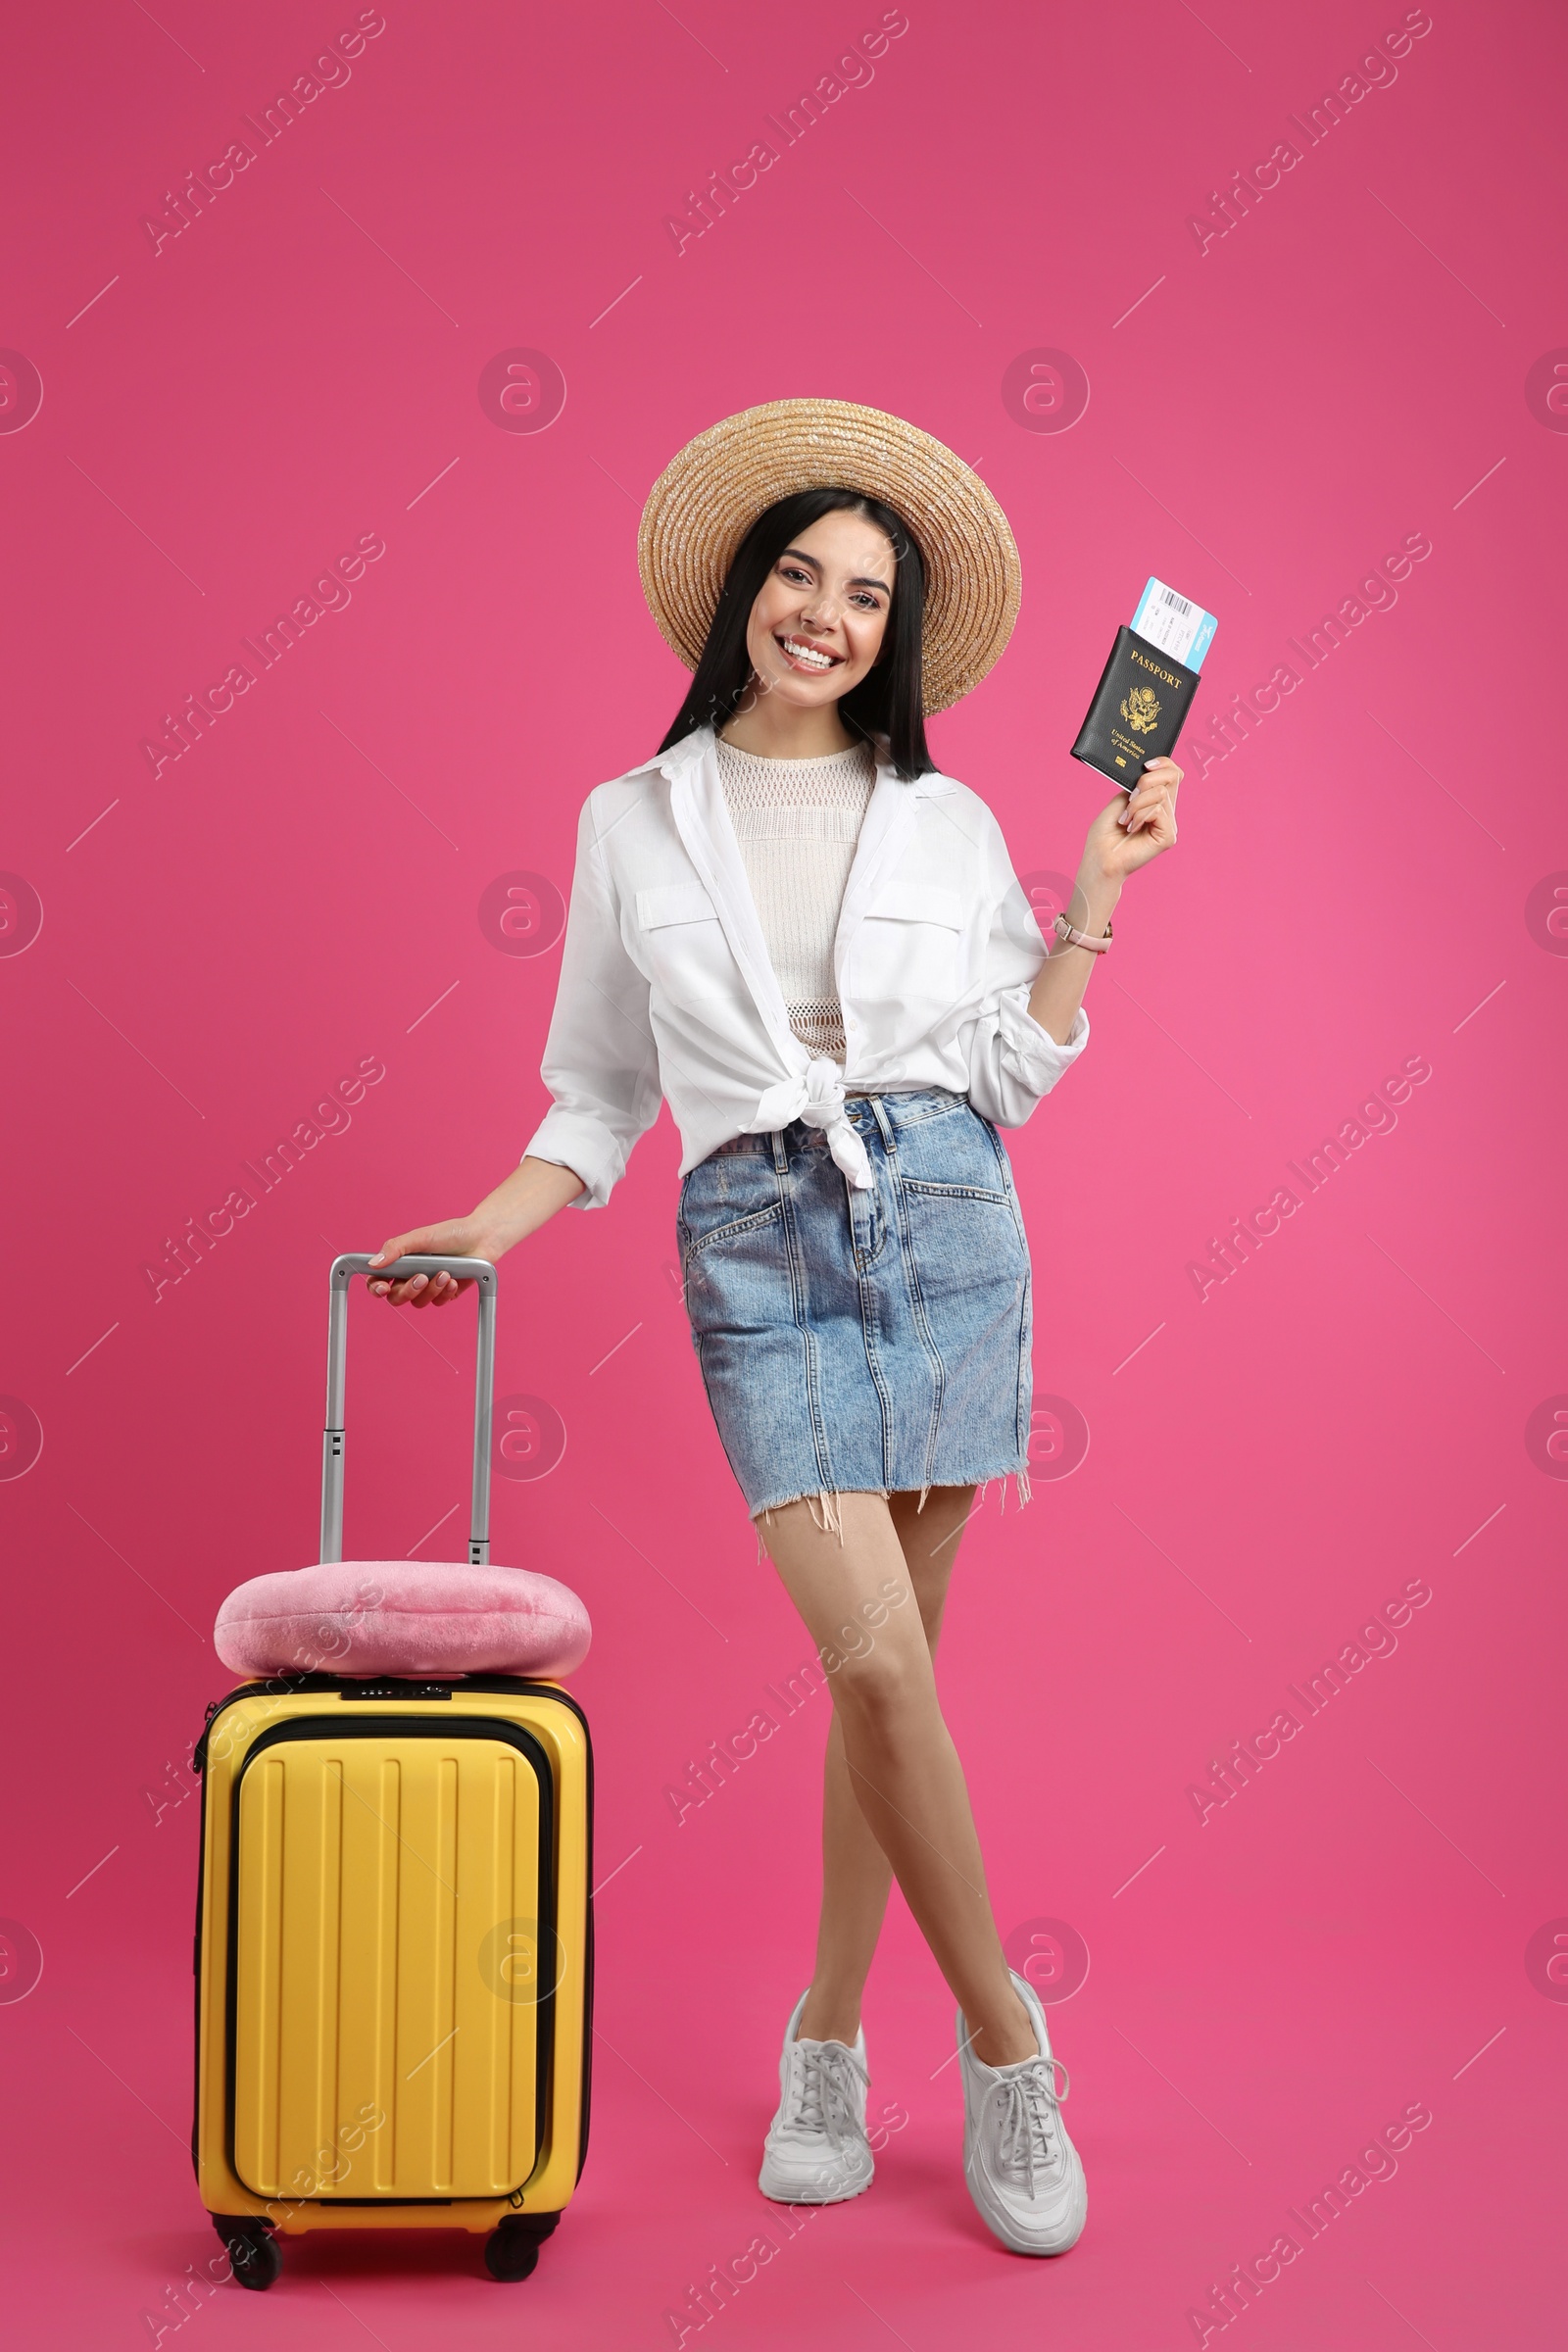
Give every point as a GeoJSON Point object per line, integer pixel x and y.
{"type": "Point", "coordinates": [1138, 824]}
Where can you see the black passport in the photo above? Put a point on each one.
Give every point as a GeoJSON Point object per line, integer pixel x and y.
{"type": "Point", "coordinates": [1137, 713]}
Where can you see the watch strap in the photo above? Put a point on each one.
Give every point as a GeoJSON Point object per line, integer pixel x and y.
{"type": "Point", "coordinates": [1081, 939]}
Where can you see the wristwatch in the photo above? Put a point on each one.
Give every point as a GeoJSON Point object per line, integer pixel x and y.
{"type": "Point", "coordinates": [1081, 939]}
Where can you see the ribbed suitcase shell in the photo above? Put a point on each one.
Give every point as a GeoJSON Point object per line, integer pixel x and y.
{"type": "Point", "coordinates": [393, 1953]}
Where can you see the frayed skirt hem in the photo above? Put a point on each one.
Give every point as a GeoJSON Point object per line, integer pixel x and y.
{"type": "Point", "coordinates": [823, 1502]}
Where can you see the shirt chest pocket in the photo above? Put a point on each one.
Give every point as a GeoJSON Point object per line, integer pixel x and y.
{"type": "Point", "coordinates": [909, 945]}
{"type": "Point", "coordinates": [683, 941]}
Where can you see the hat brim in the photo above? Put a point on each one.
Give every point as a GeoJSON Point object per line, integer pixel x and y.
{"type": "Point", "coordinates": [709, 496]}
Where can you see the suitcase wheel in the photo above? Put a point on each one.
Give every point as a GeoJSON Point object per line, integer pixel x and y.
{"type": "Point", "coordinates": [253, 2251]}
{"type": "Point", "coordinates": [511, 2249]}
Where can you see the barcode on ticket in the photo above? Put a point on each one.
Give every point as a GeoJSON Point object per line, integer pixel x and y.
{"type": "Point", "coordinates": [1174, 623]}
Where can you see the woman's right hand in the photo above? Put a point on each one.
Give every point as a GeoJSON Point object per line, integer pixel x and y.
{"type": "Point", "coordinates": [526, 1199]}
{"type": "Point", "coordinates": [460, 1237]}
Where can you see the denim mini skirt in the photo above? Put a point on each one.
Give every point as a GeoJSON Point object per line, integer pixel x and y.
{"type": "Point", "coordinates": [870, 1342]}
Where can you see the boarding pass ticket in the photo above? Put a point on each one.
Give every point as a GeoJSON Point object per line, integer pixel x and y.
{"type": "Point", "coordinates": [1174, 623]}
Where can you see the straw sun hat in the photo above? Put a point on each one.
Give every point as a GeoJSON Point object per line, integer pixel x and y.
{"type": "Point", "coordinates": [709, 495]}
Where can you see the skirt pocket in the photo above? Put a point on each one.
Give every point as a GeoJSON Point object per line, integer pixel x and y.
{"type": "Point", "coordinates": [966, 1245]}
{"type": "Point", "coordinates": [961, 1213]}
{"type": "Point", "coordinates": [733, 1252]}
{"type": "Point", "coordinates": [728, 1189]}
{"type": "Point", "coordinates": [953, 1151]}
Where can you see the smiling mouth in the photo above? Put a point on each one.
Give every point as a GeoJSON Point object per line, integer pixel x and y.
{"type": "Point", "coordinates": [813, 659]}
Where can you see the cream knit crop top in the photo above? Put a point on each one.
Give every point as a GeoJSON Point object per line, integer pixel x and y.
{"type": "Point", "coordinates": [798, 822]}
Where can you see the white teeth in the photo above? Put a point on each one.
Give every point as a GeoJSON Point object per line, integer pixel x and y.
{"type": "Point", "coordinates": [807, 653]}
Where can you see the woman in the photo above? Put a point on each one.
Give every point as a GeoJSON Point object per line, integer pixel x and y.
{"type": "Point", "coordinates": [792, 927]}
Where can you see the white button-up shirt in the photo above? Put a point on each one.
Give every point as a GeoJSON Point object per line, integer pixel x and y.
{"type": "Point", "coordinates": [667, 990]}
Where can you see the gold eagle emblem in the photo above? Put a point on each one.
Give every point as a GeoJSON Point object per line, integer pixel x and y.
{"type": "Point", "coordinates": [1140, 710]}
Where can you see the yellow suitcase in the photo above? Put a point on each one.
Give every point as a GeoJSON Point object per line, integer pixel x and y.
{"type": "Point", "coordinates": [394, 1942]}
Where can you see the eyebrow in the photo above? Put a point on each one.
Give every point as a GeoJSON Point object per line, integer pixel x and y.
{"type": "Point", "coordinates": [799, 555]}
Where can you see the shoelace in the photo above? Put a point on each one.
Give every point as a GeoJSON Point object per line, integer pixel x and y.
{"type": "Point", "coordinates": [821, 2100]}
{"type": "Point", "coordinates": [1028, 2108]}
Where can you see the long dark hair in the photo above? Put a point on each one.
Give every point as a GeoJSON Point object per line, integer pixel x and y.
{"type": "Point", "coordinates": [887, 702]}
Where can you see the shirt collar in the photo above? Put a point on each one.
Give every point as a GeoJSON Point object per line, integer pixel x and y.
{"type": "Point", "coordinates": [694, 747]}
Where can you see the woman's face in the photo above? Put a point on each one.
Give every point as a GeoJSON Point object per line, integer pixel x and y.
{"type": "Point", "coordinates": [818, 622]}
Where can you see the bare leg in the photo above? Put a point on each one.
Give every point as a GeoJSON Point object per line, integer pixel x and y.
{"type": "Point", "coordinates": [860, 1603]}
{"type": "Point", "coordinates": [856, 1875]}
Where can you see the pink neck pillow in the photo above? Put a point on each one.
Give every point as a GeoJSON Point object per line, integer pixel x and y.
{"type": "Point", "coordinates": [416, 1617]}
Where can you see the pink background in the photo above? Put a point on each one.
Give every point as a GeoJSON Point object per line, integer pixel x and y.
{"type": "Point", "coordinates": [1366, 880]}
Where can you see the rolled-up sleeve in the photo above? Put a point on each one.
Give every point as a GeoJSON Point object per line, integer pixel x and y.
{"type": "Point", "coordinates": [1015, 1063]}
{"type": "Point", "coordinates": [601, 1062]}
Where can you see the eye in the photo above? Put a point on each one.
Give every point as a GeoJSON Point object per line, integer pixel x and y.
{"type": "Point", "coordinates": [793, 571]}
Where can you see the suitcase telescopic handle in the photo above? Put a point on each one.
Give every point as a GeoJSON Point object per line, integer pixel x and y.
{"type": "Point", "coordinates": [465, 1269]}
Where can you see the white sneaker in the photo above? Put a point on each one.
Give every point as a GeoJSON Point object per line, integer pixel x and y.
{"type": "Point", "coordinates": [817, 2151]}
{"type": "Point", "coordinates": [1023, 2171]}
